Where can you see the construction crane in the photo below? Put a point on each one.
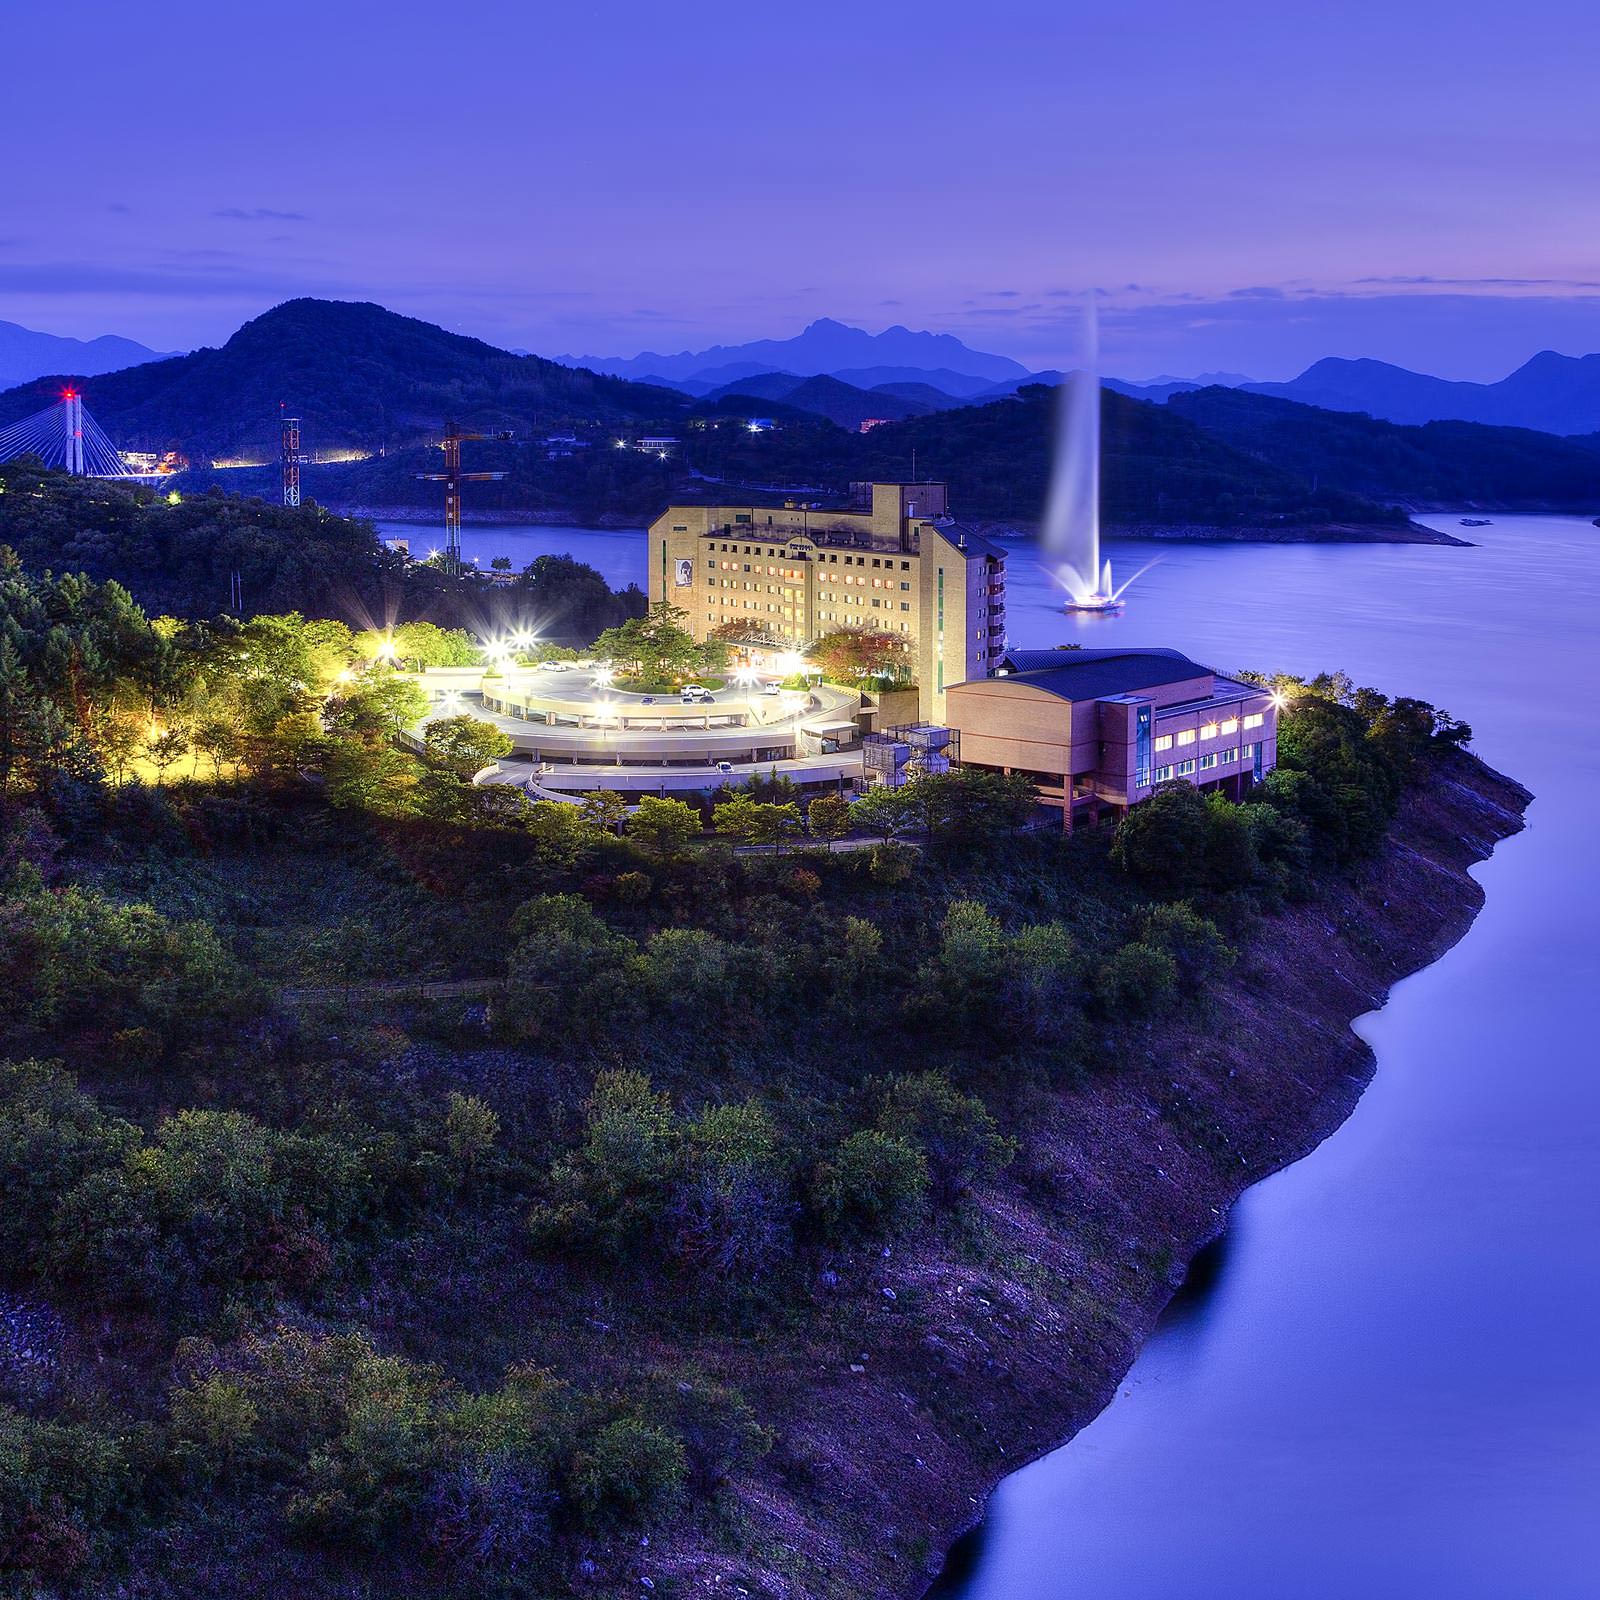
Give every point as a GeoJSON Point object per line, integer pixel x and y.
{"type": "Point", "coordinates": [290, 456]}
{"type": "Point", "coordinates": [452, 478]}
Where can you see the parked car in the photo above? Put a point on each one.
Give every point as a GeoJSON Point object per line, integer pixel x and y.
{"type": "Point", "coordinates": [772, 688]}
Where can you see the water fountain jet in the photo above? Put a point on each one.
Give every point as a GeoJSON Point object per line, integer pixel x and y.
{"type": "Point", "coordinates": [1071, 535]}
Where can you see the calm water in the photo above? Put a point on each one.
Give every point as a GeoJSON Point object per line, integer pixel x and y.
{"type": "Point", "coordinates": [1391, 1390]}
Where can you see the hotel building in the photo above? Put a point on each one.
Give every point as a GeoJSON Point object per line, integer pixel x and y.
{"type": "Point", "coordinates": [1104, 727]}
{"type": "Point", "coordinates": [893, 561]}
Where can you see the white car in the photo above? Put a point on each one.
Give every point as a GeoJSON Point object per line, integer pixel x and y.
{"type": "Point", "coordinates": [695, 691]}
{"type": "Point", "coordinates": [772, 688]}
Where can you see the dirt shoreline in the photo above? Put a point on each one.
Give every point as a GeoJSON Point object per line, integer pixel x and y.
{"type": "Point", "coordinates": [951, 1367]}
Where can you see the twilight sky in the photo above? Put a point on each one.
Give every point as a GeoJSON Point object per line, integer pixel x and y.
{"type": "Point", "coordinates": [1251, 185]}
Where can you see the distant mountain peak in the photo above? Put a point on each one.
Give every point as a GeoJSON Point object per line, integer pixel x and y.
{"type": "Point", "coordinates": [822, 348]}
{"type": "Point", "coordinates": [26, 354]}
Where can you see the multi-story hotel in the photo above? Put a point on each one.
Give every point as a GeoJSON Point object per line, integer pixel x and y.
{"type": "Point", "coordinates": [893, 562]}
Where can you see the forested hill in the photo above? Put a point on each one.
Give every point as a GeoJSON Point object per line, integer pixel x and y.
{"type": "Point", "coordinates": [359, 376]}
{"type": "Point", "coordinates": [1455, 464]}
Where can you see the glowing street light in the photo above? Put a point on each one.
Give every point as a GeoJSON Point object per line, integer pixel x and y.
{"type": "Point", "coordinates": [604, 676]}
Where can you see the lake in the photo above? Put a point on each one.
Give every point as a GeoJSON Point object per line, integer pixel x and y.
{"type": "Point", "coordinates": [616, 553]}
{"type": "Point", "coordinates": [1389, 1388]}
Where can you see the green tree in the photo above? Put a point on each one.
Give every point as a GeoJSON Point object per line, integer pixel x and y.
{"type": "Point", "coordinates": [464, 744]}
{"type": "Point", "coordinates": [753, 823]}
{"type": "Point", "coordinates": [828, 818]}
{"type": "Point", "coordinates": [663, 827]}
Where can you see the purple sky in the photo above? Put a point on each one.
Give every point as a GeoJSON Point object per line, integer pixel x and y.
{"type": "Point", "coordinates": [1253, 185]}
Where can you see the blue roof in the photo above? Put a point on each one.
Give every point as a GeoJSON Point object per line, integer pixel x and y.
{"type": "Point", "coordinates": [1094, 674]}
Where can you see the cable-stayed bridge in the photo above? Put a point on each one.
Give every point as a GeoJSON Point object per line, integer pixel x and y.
{"type": "Point", "coordinates": [66, 437]}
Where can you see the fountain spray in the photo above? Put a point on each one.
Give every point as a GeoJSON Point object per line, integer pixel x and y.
{"type": "Point", "coordinates": [1071, 537]}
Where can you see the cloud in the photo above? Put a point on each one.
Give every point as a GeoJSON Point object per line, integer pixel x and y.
{"type": "Point", "coordinates": [1424, 281]}
{"type": "Point", "coordinates": [69, 278]}
{"type": "Point", "coordinates": [259, 214]}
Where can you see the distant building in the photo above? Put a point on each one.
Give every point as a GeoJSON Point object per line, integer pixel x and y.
{"type": "Point", "coordinates": [1104, 727]}
{"type": "Point", "coordinates": [562, 446]}
{"type": "Point", "coordinates": [657, 445]}
{"type": "Point", "coordinates": [893, 561]}
{"type": "Point", "coordinates": [869, 423]}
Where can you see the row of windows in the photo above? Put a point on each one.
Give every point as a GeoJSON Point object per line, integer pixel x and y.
{"type": "Point", "coordinates": [794, 574]}
{"type": "Point", "coordinates": [886, 562]}
{"type": "Point", "coordinates": [1209, 730]}
{"type": "Point", "coordinates": [1205, 763]}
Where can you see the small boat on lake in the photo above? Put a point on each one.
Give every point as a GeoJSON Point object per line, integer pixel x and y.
{"type": "Point", "coordinates": [1477, 522]}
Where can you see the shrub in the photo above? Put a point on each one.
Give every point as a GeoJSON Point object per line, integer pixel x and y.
{"type": "Point", "coordinates": [730, 1205]}
{"type": "Point", "coordinates": [609, 1194]}
{"type": "Point", "coordinates": [958, 1138]}
{"type": "Point", "coordinates": [1137, 980]}
{"type": "Point", "coordinates": [874, 1184]}
{"type": "Point", "coordinates": [1042, 981]}
{"type": "Point", "coordinates": [891, 863]}
{"type": "Point", "coordinates": [1194, 943]}
{"type": "Point", "coordinates": [567, 970]}
{"type": "Point", "coordinates": [629, 1471]}
{"type": "Point", "coordinates": [471, 1128]}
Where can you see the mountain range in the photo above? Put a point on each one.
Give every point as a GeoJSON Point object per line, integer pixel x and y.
{"type": "Point", "coordinates": [366, 380]}
{"type": "Point", "coordinates": [824, 347]}
{"type": "Point", "coordinates": [26, 354]}
{"type": "Point", "coordinates": [1552, 393]}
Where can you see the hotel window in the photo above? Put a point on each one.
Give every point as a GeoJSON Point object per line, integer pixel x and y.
{"type": "Point", "coordinates": [1208, 730]}
{"type": "Point", "coordinates": [1254, 720]}
{"type": "Point", "coordinates": [1226, 756]}
{"type": "Point", "coordinates": [1207, 762]}
{"type": "Point", "coordinates": [905, 566]}
{"type": "Point", "coordinates": [1163, 774]}
{"type": "Point", "coordinates": [1185, 768]}
{"type": "Point", "coordinates": [905, 588]}
{"type": "Point", "coordinates": [905, 605]}
{"type": "Point", "coordinates": [1164, 742]}
{"type": "Point", "coordinates": [1230, 726]}
{"type": "Point", "coordinates": [1247, 752]}
{"type": "Point", "coordinates": [1186, 737]}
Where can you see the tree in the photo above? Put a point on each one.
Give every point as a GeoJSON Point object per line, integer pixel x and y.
{"type": "Point", "coordinates": [604, 809]}
{"type": "Point", "coordinates": [887, 812]}
{"type": "Point", "coordinates": [849, 654]}
{"type": "Point", "coordinates": [828, 818]}
{"type": "Point", "coordinates": [1162, 842]}
{"type": "Point", "coordinates": [165, 747]}
{"type": "Point", "coordinates": [464, 744]}
{"type": "Point", "coordinates": [657, 647]}
{"type": "Point", "coordinates": [754, 823]}
{"type": "Point", "coordinates": [663, 827]}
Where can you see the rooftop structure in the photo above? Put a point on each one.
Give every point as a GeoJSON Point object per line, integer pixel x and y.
{"type": "Point", "coordinates": [1102, 728]}
{"type": "Point", "coordinates": [892, 561]}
